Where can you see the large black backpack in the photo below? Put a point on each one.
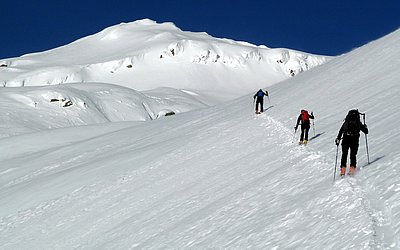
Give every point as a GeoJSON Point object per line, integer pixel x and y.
{"type": "Point", "coordinates": [352, 123]}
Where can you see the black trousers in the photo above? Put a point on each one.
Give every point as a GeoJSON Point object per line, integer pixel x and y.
{"type": "Point", "coordinates": [352, 144]}
{"type": "Point", "coordinates": [261, 103]}
{"type": "Point", "coordinates": [304, 132]}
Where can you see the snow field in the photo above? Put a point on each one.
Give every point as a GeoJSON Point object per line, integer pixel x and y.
{"type": "Point", "coordinates": [182, 199]}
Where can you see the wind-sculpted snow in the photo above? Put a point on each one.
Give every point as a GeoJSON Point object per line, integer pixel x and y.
{"type": "Point", "coordinates": [144, 55]}
{"type": "Point", "coordinates": [30, 109]}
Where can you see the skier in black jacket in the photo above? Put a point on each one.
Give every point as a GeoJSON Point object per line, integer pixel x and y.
{"type": "Point", "coordinates": [351, 134]}
{"type": "Point", "coordinates": [260, 100]}
{"type": "Point", "coordinates": [304, 119]}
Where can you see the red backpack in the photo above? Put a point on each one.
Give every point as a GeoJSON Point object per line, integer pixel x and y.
{"type": "Point", "coordinates": [305, 117]}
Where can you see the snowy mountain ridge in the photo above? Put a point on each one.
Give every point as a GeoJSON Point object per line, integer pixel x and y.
{"type": "Point", "coordinates": [128, 53]}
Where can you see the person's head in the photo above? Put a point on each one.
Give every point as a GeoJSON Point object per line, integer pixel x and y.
{"type": "Point", "coordinates": [353, 115]}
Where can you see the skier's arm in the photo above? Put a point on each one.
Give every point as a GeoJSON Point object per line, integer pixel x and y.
{"type": "Point", "coordinates": [312, 115]}
{"type": "Point", "coordinates": [339, 136]}
{"type": "Point", "coordinates": [364, 128]}
{"type": "Point", "coordinates": [298, 122]}
{"type": "Point", "coordinates": [266, 93]}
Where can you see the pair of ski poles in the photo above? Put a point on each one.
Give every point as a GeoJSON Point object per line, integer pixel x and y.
{"type": "Point", "coordinates": [337, 149]}
{"type": "Point", "coordinates": [255, 103]}
{"type": "Point", "coordinates": [295, 130]}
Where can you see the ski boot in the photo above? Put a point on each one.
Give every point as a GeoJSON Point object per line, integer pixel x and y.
{"type": "Point", "coordinates": [342, 171]}
{"type": "Point", "coordinates": [352, 170]}
{"type": "Point", "coordinates": [305, 142]}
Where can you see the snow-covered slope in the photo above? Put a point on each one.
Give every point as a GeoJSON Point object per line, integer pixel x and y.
{"type": "Point", "coordinates": [144, 55]}
{"type": "Point", "coordinates": [217, 177]}
{"type": "Point", "coordinates": [29, 109]}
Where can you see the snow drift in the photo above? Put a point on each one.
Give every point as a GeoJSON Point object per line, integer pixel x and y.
{"type": "Point", "coordinates": [30, 109]}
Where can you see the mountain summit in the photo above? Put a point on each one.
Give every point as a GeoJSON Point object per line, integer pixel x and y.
{"type": "Point", "coordinates": [145, 55]}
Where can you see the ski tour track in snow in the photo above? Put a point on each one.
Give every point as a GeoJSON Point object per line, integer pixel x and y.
{"type": "Point", "coordinates": [346, 192]}
{"type": "Point", "coordinates": [349, 183]}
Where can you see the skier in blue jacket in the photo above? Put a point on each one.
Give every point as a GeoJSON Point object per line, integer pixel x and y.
{"type": "Point", "coordinates": [260, 100]}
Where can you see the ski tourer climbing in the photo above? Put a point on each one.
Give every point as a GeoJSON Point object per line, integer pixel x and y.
{"type": "Point", "coordinates": [304, 119]}
{"type": "Point", "coordinates": [351, 134]}
{"type": "Point", "coordinates": [259, 106]}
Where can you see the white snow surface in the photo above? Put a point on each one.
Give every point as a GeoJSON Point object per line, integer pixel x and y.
{"type": "Point", "coordinates": [211, 176]}
{"type": "Point", "coordinates": [29, 109]}
{"type": "Point", "coordinates": [144, 55]}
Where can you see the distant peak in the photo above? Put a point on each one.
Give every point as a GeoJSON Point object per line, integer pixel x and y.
{"type": "Point", "coordinates": [149, 22]}
{"type": "Point", "coordinates": [140, 23]}
{"type": "Point", "coordinates": [145, 21]}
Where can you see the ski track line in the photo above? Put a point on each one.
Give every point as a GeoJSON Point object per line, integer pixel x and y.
{"type": "Point", "coordinates": [221, 202]}
{"type": "Point", "coordinates": [378, 218]}
{"type": "Point", "coordinates": [374, 244]}
{"type": "Point", "coordinates": [375, 215]}
{"type": "Point", "coordinates": [91, 193]}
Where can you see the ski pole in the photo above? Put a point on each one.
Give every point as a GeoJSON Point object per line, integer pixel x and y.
{"type": "Point", "coordinates": [313, 122]}
{"type": "Point", "coordinates": [294, 134]}
{"type": "Point", "coordinates": [269, 101]}
{"type": "Point", "coordinates": [313, 126]}
{"type": "Point", "coordinates": [366, 139]}
{"type": "Point", "coordinates": [263, 105]}
{"type": "Point", "coordinates": [334, 173]}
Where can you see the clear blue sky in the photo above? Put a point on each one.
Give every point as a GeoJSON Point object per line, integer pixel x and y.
{"type": "Point", "coordinates": [328, 27]}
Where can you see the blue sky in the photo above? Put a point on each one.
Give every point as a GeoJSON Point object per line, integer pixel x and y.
{"type": "Point", "coordinates": [325, 27]}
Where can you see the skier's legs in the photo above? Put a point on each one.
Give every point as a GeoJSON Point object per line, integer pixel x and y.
{"type": "Point", "coordinates": [345, 150]}
{"type": "Point", "coordinates": [262, 105]}
{"type": "Point", "coordinates": [302, 134]}
{"type": "Point", "coordinates": [353, 154]}
{"type": "Point", "coordinates": [259, 106]}
{"type": "Point", "coordinates": [306, 133]}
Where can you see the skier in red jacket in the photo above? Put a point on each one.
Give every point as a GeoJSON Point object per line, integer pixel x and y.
{"type": "Point", "coordinates": [304, 119]}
